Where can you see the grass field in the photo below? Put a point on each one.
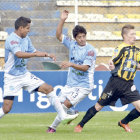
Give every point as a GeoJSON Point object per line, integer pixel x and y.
{"type": "Point", "coordinates": [33, 127]}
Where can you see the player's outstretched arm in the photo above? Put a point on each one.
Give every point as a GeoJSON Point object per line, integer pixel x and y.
{"type": "Point", "coordinates": [66, 64]}
{"type": "Point", "coordinates": [20, 54]}
{"type": "Point", "coordinates": [59, 29]}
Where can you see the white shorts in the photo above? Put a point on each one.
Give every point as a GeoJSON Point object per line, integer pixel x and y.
{"type": "Point", "coordinates": [28, 81]}
{"type": "Point", "coordinates": [73, 94]}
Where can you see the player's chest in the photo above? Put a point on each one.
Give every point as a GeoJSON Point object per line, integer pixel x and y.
{"type": "Point", "coordinates": [24, 45]}
{"type": "Point", "coordinates": [130, 53]}
{"type": "Point", "coordinates": [78, 53]}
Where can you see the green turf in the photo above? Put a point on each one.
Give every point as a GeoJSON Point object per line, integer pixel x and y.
{"type": "Point", "coordinates": [33, 127]}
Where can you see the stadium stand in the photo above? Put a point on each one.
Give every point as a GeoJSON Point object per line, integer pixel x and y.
{"type": "Point", "coordinates": [3, 36]}
{"type": "Point", "coordinates": [102, 19]}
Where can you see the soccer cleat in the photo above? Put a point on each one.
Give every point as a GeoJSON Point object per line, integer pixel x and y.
{"type": "Point", "coordinates": [78, 129]}
{"type": "Point", "coordinates": [68, 118]}
{"type": "Point", "coordinates": [72, 112]}
{"type": "Point", "coordinates": [51, 130]}
{"type": "Point", "coordinates": [125, 126]}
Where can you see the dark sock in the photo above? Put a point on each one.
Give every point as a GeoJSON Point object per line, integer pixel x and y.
{"type": "Point", "coordinates": [134, 114]}
{"type": "Point", "coordinates": [89, 114]}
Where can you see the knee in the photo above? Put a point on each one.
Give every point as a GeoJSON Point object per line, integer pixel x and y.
{"type": "Point", "coordinates": [45, 88]}
{"type": "Point", "coordinates": [138, 108]}
{"type": "Point", "coordinates": [98, 107]}
{"type": "Point", "coordinates": [49, 89]}
{"type": "Point", "coordinates": [137, 105]}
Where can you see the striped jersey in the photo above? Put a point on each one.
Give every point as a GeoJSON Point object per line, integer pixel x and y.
{"type": "Point", "coordinates": [81, 55]}
{"type": "Point", "coordinates": [125, 61]}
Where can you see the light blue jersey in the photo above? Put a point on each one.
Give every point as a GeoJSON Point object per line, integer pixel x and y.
{"type": "Point", "coordinates": [81, 55]}
{"type": "Point", "coordinates": [14, 65]}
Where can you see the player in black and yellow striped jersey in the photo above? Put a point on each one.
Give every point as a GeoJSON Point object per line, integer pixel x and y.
{"type": "Point", "coordinates": [124, 63]}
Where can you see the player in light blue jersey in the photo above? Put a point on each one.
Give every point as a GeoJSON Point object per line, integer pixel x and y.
{"type": "Point", "coordinates": [81, 64]}
{"type": "Point", "coordinates": [18, 48]}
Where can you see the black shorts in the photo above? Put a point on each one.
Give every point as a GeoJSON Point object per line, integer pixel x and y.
{"type": "Point", "coordinates": [118, 88]}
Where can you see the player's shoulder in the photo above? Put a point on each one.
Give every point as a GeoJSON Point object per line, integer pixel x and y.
{"type": "Point", "coordinates": [91, 50]}
{"type": "Point", "coordinates": [67, 37]}
{"type": "Point", "coordinates": [121, 46]}
{"type": "Point", "coordinates": [138, 49]}
{"type": "Point", "coordinates": [90, 47]}
{"type": "Point", "coordinates": [12, 39]}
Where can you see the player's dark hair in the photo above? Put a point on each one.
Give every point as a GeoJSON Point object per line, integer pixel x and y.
{"type": "Point", "coordinates": [22, 21]}
{"type": "Point", "coordinates": [126, 28]}
{"type": "Point", "coordinates": [78, 29]}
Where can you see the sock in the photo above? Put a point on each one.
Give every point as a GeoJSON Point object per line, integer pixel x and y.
{"type": "Point", "coordinates": [134, 114]}
{"type": "Point", "coordinates": [56, 122]}
{"type": "Point", "coordinates": [71, 111]}
{"type": "Point", "coordinates": [1, 112]}
{"type": "Point", "coordinates": [54, 100]}
{"type": "Point", "coordinates": [89, 114]}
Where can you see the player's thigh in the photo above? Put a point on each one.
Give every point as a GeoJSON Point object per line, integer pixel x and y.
{"type": "Point", "coordinates": [65, 91]}
{"type": "Point", "coordinates": [12, 85]}
{"type": "Point", "coordinates": [77, 95]}
{"type": "Point", "coordinates": [32, 82]}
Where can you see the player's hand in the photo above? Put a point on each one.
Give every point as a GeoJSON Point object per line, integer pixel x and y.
{"type": "Point", "coordinates": [65, 64]}
{"type": "Point", "coordinates": [52, 56]}
{"type": "Point", "coordinates": [111, 65]}
{"type": "Point", "coordinates": [64, 15]}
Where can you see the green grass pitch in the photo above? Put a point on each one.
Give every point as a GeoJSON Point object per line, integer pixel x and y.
{"type": "Point", "coordinates": [33, 127]}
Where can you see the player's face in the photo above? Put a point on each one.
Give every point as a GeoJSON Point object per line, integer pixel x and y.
{"type": "Point", "coordinates": [130, 36]}
{"type": "Point", "coordinates": [25, 30]}
{"type": "Point", "coordinates": [81, 39]}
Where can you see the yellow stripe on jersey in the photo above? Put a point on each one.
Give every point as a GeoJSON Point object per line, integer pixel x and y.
{"type": "Point", "coordinates": [125, 60]}
{"type": "Point", "coordinates": [128, 65]}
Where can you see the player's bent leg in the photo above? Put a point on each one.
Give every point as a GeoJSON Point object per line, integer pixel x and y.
{"type": "Point", "coordinates": [7, 105]}
{"type": "Point", "coordinates": [54, 100]}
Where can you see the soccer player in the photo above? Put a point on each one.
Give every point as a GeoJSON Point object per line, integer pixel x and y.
{"type": "Point", "coordinates": [18, 48]}
{"type": "Point", "coordinates": [81, 66]}
{"type": "Point", "coordinates": [125, 62]}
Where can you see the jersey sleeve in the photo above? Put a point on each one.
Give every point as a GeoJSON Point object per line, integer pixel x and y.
{"type": "Point", "coordinates": [14, 46]}
{"type": "Point", "coordinates": [90, 57]}
{"type": "Point", "coordinates": [117, 54]}
{"type": "Point", "coordinates": [31, 48]}
{"type": "Point", "coordinates": [66, 41]}
{"type": "Point", "coordinates": [138, 56]}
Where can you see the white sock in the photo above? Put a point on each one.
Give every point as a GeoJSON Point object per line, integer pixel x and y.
{"type": "Point", "coordinates": [1, 112]}
{"type": "Point", "coordinates": [54, 100]}
{"type": "Point", "coordinates": [57, 120]}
